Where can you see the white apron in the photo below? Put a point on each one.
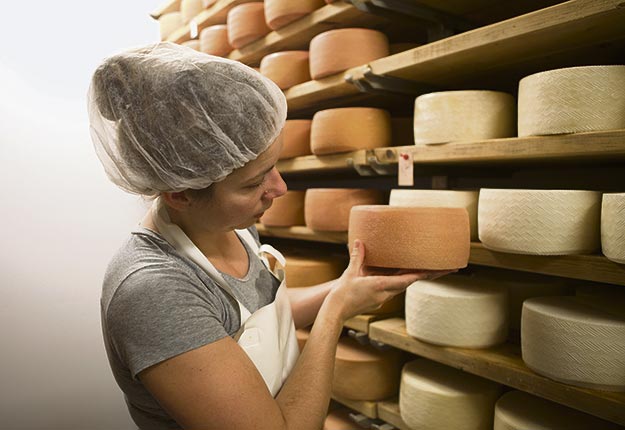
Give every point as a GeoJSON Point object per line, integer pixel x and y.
{"type": "Point", "coordinates": [267, 335]}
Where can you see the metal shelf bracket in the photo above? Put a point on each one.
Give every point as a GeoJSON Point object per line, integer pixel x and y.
{"type": "Point", "coordinates": [379, 84]}
{"type": "Point", "coordinates": [380, 168]}
{"type": "Point", "coordinates": [361, 169]}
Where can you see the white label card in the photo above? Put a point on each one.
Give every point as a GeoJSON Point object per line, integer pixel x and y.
{"type": "Point", "coordinates": [193, 32]}
{"type": "Point", "coordinates": [405, 171]}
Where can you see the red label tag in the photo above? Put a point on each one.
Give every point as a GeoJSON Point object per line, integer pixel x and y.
{"type": "Point", "coordinates": [405, 171]}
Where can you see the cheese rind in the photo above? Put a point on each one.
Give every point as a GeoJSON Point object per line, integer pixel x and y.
{"type": "Point", "coordinates": [214, 40]}
{"type": "Point", "coordinates": [364, 373]}
{"type": "Point", "coordinates": [189, 9]}
{"type": "Point", "coordinates": [193, 44]}
{"type": "Point", "coordinates": [613, 226]}
{"type": "Point", "coordinates": [461, 311]}
{"type": "Point", "coordinates": [350, 129]}
{"type": "Point", "coordinates": [572, 100]}
{"type": "Point", "coordinates": [433, 397]}
{"type": "Point", "coordinates": [452, 116]}
{"type": "Point", "coordinates": [286, 210]}
{"type": "Point", "coordinates": [169, 22]}
{"type": "Point", "coordinates": [568, 340]}
{"type": "Point", "coordinates": [517, 410]}
{"type": "Point", "coordinates": [327, 209]}
{"type": "Point", "coordinates": [539, 222]}
{"type": "Point", "coordinates": [279, 13]}
{"type": "Point", "coordinates": [296, 134]}
{"type": "Point", "coordinates": [287, 68]}
{"type": "Point", "coordinates": [412, 238]}
{"type": "Point", "coordinates": [304, 271]}
{"type": "Point", "coordinates": [246, 23]}
{"type": "Point", "coordinates": [441, 199]}
{"type": "Point", "coordinates": [338, 50]}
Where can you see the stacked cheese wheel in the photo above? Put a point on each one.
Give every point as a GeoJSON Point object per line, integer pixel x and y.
{"type": "Point", "coordinates": [282, 12]}
{"type": "Point", "coordinates": [286, 210]}
{"type": "Point", "coordinates": [193, 44]}
{"type": "Point", "coordinates": [286, 68]}
{"type": "Point", "coordinates": [440, 199]}
{"type": "Point", "coordinates": [463, 115]}
{"type": "Point", "coordinates": [613, 227]}
{"type": "Point", "coordinates": [433, 396]}
{"type": "Point", "coordinates": [412, 238]}
{"type": "Point", "coordinates": [517, 410]}
{"type": "Point", "coordinates": [571, 100]}
{"type": "Point", "coordinates": [539, 222]}
{"type": "Point", "coordinates": [364, 373]}
{"type": "Point", "coordinates": [350, 129]}
{"type": "Point", "coordinates": [304, 271]}
{"type": "Point", "coordinates": [574, 341]}
{"type": "Point", "coordinates": [246, 23]}
{"type": "Point", "coordinates": [328, 208]}
{"type": "Point", "coordinates": [214, 40]}
{"type": "Point", "coordinates": [189, 9]}
{"type": "Point", "coordinates": [296, 138]}
{"type": "Point", "coordinates": [462, 311]}
{"type": "Point", "coordinates": [169, 22]}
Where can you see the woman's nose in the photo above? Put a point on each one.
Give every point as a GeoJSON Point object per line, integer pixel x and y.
{"type": "Point", "coordinates": [276, 186]}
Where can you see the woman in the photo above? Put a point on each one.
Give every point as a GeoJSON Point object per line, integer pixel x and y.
{"type": "Point", "coordinates": [199, 333]}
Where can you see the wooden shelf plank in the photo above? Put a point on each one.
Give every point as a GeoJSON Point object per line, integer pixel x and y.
{"type": "Point", "coordinates": [503, 364]}
{"type": "Point", "coordinates": [361, 322]}
{"type": "Point", "coordinates": [325, 163]}
{"type": "Point", "coordinates": [170, 6]}
{"type": "Point", "coordinates": [298, 34]}
{"type": "Point", "coordinates": [367, 408]}
{"type": "Point", "coordinates": [596, 268]}
{"type": "Point", "coordinates": [388, 411]}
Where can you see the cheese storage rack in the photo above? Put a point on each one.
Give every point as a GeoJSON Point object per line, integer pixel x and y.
{"type": "Point", "coordinates": [495, 54]}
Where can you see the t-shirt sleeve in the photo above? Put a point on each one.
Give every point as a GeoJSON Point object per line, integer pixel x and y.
{"type": "Point", "coordinates": [252, 229]}
{"type": "Point", "coordinates": [158, 314]}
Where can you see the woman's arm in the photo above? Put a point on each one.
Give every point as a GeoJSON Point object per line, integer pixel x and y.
{"type": "Point", "coordinates": [306, 302]}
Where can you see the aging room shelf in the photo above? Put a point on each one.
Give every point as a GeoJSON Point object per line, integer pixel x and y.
{"type": "Point", "coordinates": [548, 38]}
{"type": "Point", "coordinates": [503, 364]}
{"type": "Point", "coordinates": [595, 268]}
{"type": "Point", "coordinates": [579, 147]}
{"type": "Point", "coordinates": [388, 411]}
{"type": "Point", "coordinates": [368, 409]}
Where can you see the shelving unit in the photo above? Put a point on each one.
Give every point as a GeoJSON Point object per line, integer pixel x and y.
{"type": "Point", "coordinates": [503, 364]}
{"type": "Point", "coordinates": [368, 409]}
{"type": "Point", "coordinates": [388, 411]}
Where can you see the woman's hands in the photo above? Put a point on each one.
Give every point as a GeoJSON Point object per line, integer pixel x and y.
{"type": "Point", "coordinates": [361, 289]}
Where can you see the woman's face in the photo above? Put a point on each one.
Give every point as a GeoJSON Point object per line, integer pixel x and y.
{"type": "Point", "coordinates": [243, 196]}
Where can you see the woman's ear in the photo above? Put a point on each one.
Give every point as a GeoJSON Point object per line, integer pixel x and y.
{"type": "Point", "coordinates": [179, 201]}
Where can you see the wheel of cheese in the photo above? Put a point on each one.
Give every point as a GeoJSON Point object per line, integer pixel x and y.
{"type": "Point", "coordinates": [539, 222]}
{"type": "Point", "coordinates": [613, 227]}
{"type": "Point", "coordinates": [441, 199]}
{"type": "Point", "coordinates": [461, 311]}
{"type": "Point", "coordinates": [401, 131]}
{"type": "Point", "coordinates": [304, 271]}
{"type": "Point", "coordinates": [208, 3]}
{"type": "Point", "coordinates": [189, 9]}
{"type": "Point", "coordinates": [364, 373]}
{"type": "Point", "coordinates": [328, 208]}
{"type": "Point", "coordinates": [339, 419]}
{"type": "Point", "coordinates": [193, 44]}
{"type": "Point", "coordinates": [338, 50]}
{"type": "Point", "coordinates": [286, 68]}
{"type": "Point", "coordinates": [433, 396]}
{"type": "Point", "coordinates": [517, 410]}
{"type": "Point", "coordinates": [349, 129]}
{"type": "Point", "coordinates": [246, 23]}
{"type": "Point", "coordinates": [169, 23]}
{"type": "Point", "coordinates": [412, 238]}
{"type": "Point", "coordinates": [572, 100]}
{"type": "Point", "coordinates": [452, 116]}
{"type": "Point", "coordinates": [286, 210]}
{"type": "Point", "coordinates": [570, 341]}
{"type": "Point", "coordinates": [296, 135]}
{"type": "Point", "coordinates": [282, 12]}
{"type": "Point", "coordinates": [214, 40]}
{"type": "Point", "coordinates": [302, 336]}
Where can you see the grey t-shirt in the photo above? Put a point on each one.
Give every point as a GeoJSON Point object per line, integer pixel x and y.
{"type": "Point", "coordinates": [157, 304]}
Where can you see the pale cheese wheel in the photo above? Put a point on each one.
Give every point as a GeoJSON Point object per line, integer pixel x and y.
{"type": "Point", "coordinates": [214, 40]}
{"type": "Point", "coordinates": [613, 227]}
{"type": "Point", "coordinates": [412, 238]}
{"type": "Point", "coordinates": [302, 335]}
{"type": "Point", "coordinates": [305, 271]}
{"type": "Point", "coordinates": [327, 209]}
{"type": "Point", "coordinates": [296, 135]}
{"type": "Point", "coordinates": [169, 23]}
{"type": "Point", "coordinates": [441, 199]}
{"type": "Point", "coordinates": [339, 419]}
{"type": "Point", "coordinates": [434, 397]}
{"type": "Point", "coordinates": [246, 23]}
{"type": "Point", "coordinates": [461, 311]}
{"type": "Point", "coordinates": [364, 373]}
{"type": "Point", "coordinates": [572, 100]}
{"type": "Point", "coordinates": [349, 129]}
{"type": "Point", "coordinates": [338, 50]}
{"type": "Point", "coordinates": [517, 410]}
{"type": "Point", "coordinates": [279, 13]}
{"type": "Point", "coordinates": [539, 222]}
{"type": "Point", "coordinates": [287, 68]}
{"type": "Point", "coordinates": [566, 339]}
{"type": "Point", "coordinates": [453, 116]}
{"type": "Point", "coordinates": [286, 210]}
{"type": "Point", "coordinates": [193, 44]}
{"type": "Point", "coordinates": [189, 9]}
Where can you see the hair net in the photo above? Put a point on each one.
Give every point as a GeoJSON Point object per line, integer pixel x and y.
{"type": "Point", "coordinates": [167, 118]}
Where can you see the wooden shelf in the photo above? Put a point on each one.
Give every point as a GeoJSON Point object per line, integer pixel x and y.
{"type": "Point", "coordinates": [170, 6]}
{"type": "Point", "coordinates": [503, 364]}
{"type": "Point", "coordinates": [368, 409]}
{"type": "Point", "coordinates": [525, 44]}
{"type": "Point", "coordinates": [388, 411]}
{"type": "Point", "coordinates": [596, 268]}
{"type": "Point", "coordinates": [361, 322]}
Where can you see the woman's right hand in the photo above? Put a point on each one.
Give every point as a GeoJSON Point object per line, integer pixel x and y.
{"type": "Point", "coordinates": [358, 290]}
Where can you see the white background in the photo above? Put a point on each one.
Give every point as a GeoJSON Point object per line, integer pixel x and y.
{"type": "Point", "coordinates": [60, 218]}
